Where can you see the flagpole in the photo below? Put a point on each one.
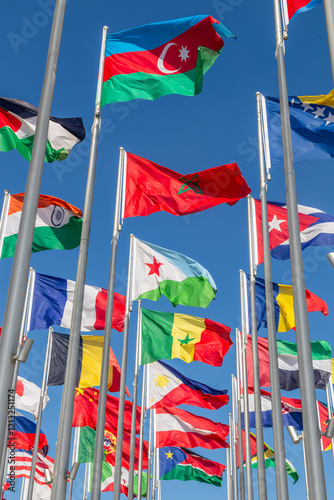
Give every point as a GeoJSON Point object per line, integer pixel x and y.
{"type": "Point", "coordinates": [4, 215]}
{"type": "Point", "coordinates": [74, 456]}
{"type": "Point", "coordinates": [229, 486]}
{"type": "Point", "coordinates": [329, 410]}
{"type": "Point", "coordinates": [148, 487]}
{"type": "Point", "coordinates": [249, 479]}
{"type": "Point", "coordinates": [120, 423]}
{"type": "Point", "coordinates": [58, 491]}
{"type": "Point", "coordinates": [233, 443]}
{"type": "Point", "coordinates": [141, 434]}
{"type": "Point", "coordinates": [20, 268]}
{"type": "Point", "coordinates": [101, 412]}
{"type": "Point", "coordinates": [134, 407]}
{"type": "Point", "coordinates": [84, 491]}
{"type": "Point", "coordinates": [329, 16]}
{"type": "Point", "coordinates": [241, 449]}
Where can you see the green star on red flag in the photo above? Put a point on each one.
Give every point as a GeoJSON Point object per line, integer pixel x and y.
{"type": "Point", "coordinates": [190, 184]}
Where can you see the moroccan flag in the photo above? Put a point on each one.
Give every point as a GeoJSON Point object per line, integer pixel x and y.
{"type": "Point", "coordinates": [160, 271]}
{"type": "Point", "coordinates": [283, 304]}
{"type": "Point", "coordinates": [168, 387]}
{"type": "Point", "coordinates": [58, 225]}
{"type": "Point", "coordinates": [18, 121]}
{"type": "Point", "coordinates": [176, 427]}
{"type": "Point", "coordinates": [291, 8]}
{"type": "Point", "coordinates": [22, 435]}
{"type": "Point", "coordinates": [89, 362]}
{"type": "Point", "coordinates": [151, 188]}
{"type": "Point", "coordinates": [185, 465]}
{"type": "Point", "coordinates": [52, 304]}
{"type": "Point", "coordinates": [27, 396]}
{"type": "Point", "coordinates": [288, 363]}
{"type": "Point", "coordinates": [316, 229]}
{"type": "Point", "coordinates": [168, 335]}
{"type": "Point", "coordinates": [162, 58]}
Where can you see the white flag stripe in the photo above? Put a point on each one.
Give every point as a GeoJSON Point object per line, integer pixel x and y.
{"type": "Point", "coordinates": [46, 217]}
{"type": "Point", "coordinates": [88, 310]}
{"type": "Point", "coordinates": [27, 396]}
{"type": "Point", "coordinates": [170, 423]}
{"type": "Point", "coordinates": [160, 382]}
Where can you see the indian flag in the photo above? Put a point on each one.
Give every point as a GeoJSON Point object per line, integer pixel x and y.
{"type": "Point", "coordinates": [58, 225]}
{"type": "Point", "coordinates": [18, 121]}
{"type": "Point", "coordinates": [160, 271]}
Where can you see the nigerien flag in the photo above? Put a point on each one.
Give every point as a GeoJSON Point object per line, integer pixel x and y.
{"type": "Point", "coordinates": [162, 58]}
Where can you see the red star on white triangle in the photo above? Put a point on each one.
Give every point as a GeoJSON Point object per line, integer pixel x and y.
{"type": "Point", "coordinates": [154, 267]}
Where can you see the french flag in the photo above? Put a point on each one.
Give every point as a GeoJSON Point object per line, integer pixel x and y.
{"type": "Point", "coordinates": [22, 435]}
{"type": "Point", "coordinates": [52, 304]}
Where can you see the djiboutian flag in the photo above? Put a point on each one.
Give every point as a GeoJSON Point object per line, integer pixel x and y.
{"type": "Point", "coordinates": [18, 121]}
{"type": "Point", "coordinates": [52, 304]}
{"type": "Point", "coordinates": [176, 427]}
{"type": "Point", "coordinates": [288, 363]}
{"type": "Point", "coordinates": [160, 271]}
{"type": "Point", "coordinates": [168, 387]}
{"type": "Point", "coordinates": [168, 335]}
{"type": "Point", "coordinates": [162, 58]}
{"type": "Point", "coordinates": [57, 226]}
{"type": "Point", "coordinates": [150, 188]}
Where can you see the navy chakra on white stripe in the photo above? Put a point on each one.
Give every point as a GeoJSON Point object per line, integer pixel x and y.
{"type": "Point", "coordinates": [57, 216]}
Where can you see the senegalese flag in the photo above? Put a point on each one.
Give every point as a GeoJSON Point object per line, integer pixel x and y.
{"type": "Point", "coordinates": [167, 336]}
{"type": "Point", "coordinates": [161, 58]}
{"type": "Point", "coordinates": [57, 226]}
{"type": "Point", "coordinates": [18, 121]}
{"type": "Point", "coordinates": [160, 271]}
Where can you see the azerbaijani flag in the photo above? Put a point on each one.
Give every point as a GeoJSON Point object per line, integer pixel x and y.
{"type": "Point", "coordinates": [160, 271]}
{"type": "Point", "coordinates": [292, 8]}
{"type": "Point", "coordinates": [58, 225]}
{"type": "Point", "coordinates": [167, 336]}
{"type": "Point", "coordinates": [18, 121]}
{"type": "Point", "coordinates": [161, 58]}
{"type": "Point", "coordinates": [150, 188]}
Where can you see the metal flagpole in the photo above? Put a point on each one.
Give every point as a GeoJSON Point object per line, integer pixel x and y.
{"type": "Point", "coordinates": [229, 480]}
{"type": "Point", "coordinates": [39, 417]}
{"type": "Point", "coordinates": [58, 491]}
{"type": "Point", "coordinates": [233, 443]}
{"type": "Point", "coordinates": [280, 467]}
{"type": "Point", "coordinates": [329, 15]}
{"type": "Point", "coordinates": [243, 298]}
{"type": "Point", "coordinates": [74, 457]}
{"type": "Point", "coordinates": [329, 410]}
{"type": "Point", "coordinates": [149, 461]}
{"type": "Point", "coordinates": [141, 434]}
{"type": "Point", "coordinates": [4, 214]}
{"type": "Point", "coordinates": [120, 423]}
{"type": "Point", "coordinates": [86, 478]}
{"type": "Point", "coordinates": [154, 478]}
{"type": "Point", "coordinates": [240, 444]}
{"type": "Point", "coordinates": [20, 268]}
{"type": "Point", "coordinates": [101, 412]}
{"type": "Point", "coordinates": [314, 463]}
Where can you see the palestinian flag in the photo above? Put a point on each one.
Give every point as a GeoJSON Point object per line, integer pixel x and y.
{"type": "Point", "coordinates": [18, 121]}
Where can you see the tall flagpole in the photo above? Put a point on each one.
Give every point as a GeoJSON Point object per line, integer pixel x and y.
{"type": "Point", "coordinates": [314, 463]}
{"type": "Point", "coordinates": [74, 459]}
{"type": "Point", "coordinates": [240, 444]}
{"type": "Point", "coordinates": [20, 268]}
{"type": "Point", "coordinates": [149, 461]}
{"type": "Point", "coordinates": [329, 15]}
{"type": "Point", "coordinates": [101, 412]}
{"type": "Point", "coordinates": [280, 467]}
{"type": "Point", "coordinates": [120, 423]}
{"type": "Point", "coordinates": [58, 491]}
{"type": "Point", "coordinates": [4, 214]}
{"type": "Point", "coordinates": [141, 434]}
{"type": "Point", "coordinates": [329, 413]}
{"type": "Point", "coordinates": [234, 442]}
{"type": "Point", "coordinates": [229, 478]}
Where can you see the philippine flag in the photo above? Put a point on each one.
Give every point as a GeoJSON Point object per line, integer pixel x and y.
{"type": "Point", "coordinates": [52, 304]}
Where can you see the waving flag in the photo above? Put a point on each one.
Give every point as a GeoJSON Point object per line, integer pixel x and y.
{"type": "Point", "coordinates": [176, 427]}
{"type": "Point", "coordinates": [58, 225]}
{"type": "Point", "coordinates": [160, 271]}
{"type": "Point", "coordinates": [52, 304]}
{"type": "Point", "coordinates": [168, 387]}
{"type": "Point", "coordinates": [316, 229]}
{"type": "Point", "coordinates": [162, 58]}
{"type": "Point", "coordinates": [18, 121]}
{"type": "Point", "coordinates": [185, 465]}
{"type": "Point", "coordinates": [283, 304]}
{"type": "Point", "coordinates": [27, 396]}
{"type": "Point", "coordinates": [167, 336]}
{"type": "Point", "coordinates": [326, 444]}
{"type": "Point", "coordinates": [292, 8]}
{"type": "Point", "coordinates": [150, 188]}
{"type": "Point", "coordinates": [23, 435]}
{"type": "Point", "coordinates": [108, 477]}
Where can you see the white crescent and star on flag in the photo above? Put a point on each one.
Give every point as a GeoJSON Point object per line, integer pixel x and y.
{"type": "Point", "coordinates": [184, 55]}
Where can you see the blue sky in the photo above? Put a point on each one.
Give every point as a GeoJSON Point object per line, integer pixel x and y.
{"type": "Point", "coordinates": [186, 134]}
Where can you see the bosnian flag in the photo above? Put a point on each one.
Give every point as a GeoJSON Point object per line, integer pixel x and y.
{"type": "Point", "coordinates": [27, 396]}
{"type": "Point", "coordinates": [316, 229]}
{"type": "Point", "coordinates": [18, 121]}
{"type": "Point", "coordinates": [175, 427]}
{"type": "Point", "coordinates": [291, 410]}
{"type": "Point", "coordinates": [168, 387]}
{"type": "Point", "coordinates": [291, 8]}
{"type": "Point", "coordinates": [52, 304]}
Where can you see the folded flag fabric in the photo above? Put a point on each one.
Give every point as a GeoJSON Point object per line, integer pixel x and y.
{"type": "Point", "coordinates": [89, 362]}
{"type": "Point", "coordinates": [168, 335]}
{"type": "Point", "coordinates": [283, 304]}
{"type": "Point", "coordinates": [316, 229]}
{"type": "Point", "coordinates": [52, 304]}
{"type": "Point", "coordinates": [312, 128]}
{"type": "Point", "coordinates": [291, 410]}
{"type": "Point", "coordinates": [27, 396]}
{"type": "Point", "coordinates": [108, 477]}
{"type": "Point", "coordinates": [288, 363]}
{"type": "Point", "coordinates": [18, 121]}
{"type": "Point", "coordinates": [176, 427]}
{"type": "Point", "coordinates": [168, 387]}
{"type": "Point", "coordinates": [162, 58]}
{"type": "Point", "coordinates": [291, 8]}
{"type": "Point", "coordinates": [58, 225]}
{"type": "Point", "coordinates": [22, 435]}
{"type": "Point", "coordinates": [151, 188]}
{"type": "Point", "coordinates": [185, 465]}
{"type": "Point", "coordinates": [160, 271]}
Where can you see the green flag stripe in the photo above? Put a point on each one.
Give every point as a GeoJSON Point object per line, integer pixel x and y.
{"type": "Point", "coordinates": [157, 340]}
{"type": "Point", "coordinates": [321, 349]}
{"type": "Point", "coordinates": [189, 473]}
